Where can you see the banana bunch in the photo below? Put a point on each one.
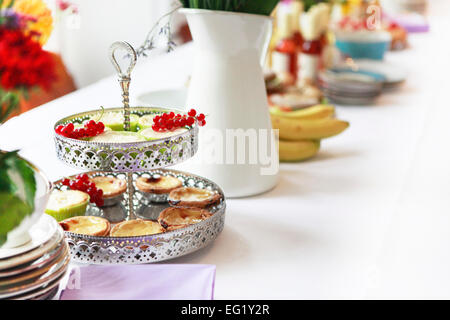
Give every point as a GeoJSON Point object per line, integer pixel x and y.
{"type": "Point", "coordinates": [301, 130]}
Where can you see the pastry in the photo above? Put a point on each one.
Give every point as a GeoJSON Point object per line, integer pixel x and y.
{"type": "Point", "coordinates": [151, 134]}
{"type": "Point", "coordinates": [112, 188]}
{"type": "Point", "coordinates": [193, 197]}
{"type": "Point", "coordinates": [68, 203]}
{"type": "Point", "coordinates": [136, 228]}
{"type": "Point", "coordinates": [89, 225]}
{"type": "Point", "coordinates": [176, 217]}
{"type": "Point", "coordinates": [158, 184]}
{"type": "Point", "coordinates": [118, 137]}
{"type": "Point", "coordinates": [114, 120]}
{"type": "Point", "coordinates": [157, 187]}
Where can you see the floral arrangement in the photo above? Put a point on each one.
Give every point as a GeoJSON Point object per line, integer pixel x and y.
{"type": "Point", "coordinates": [25, 26]}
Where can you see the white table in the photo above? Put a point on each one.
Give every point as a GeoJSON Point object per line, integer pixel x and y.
{"type": "Point", "coordinates": [368, 218]}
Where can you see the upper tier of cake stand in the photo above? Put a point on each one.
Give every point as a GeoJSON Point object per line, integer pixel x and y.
{"type": "Point", "coordinates": [125, 157]}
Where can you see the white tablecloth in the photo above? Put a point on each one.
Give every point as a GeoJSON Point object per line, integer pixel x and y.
{"type": "Point", "coordinates": [368, 218]}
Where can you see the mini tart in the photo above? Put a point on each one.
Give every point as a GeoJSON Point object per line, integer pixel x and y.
{"type": "Point", "coordinates": [132, 228]}
{"type": "Point", "coordinates": [193, 197]}
{"type": "Point", "coordinates": [89, 225]}
{"type": "Point", "coordinates": [177, 217]}
{"type": "Point", "coordinates": [111, 187]}
{"type": "Point", "coordinates": [117, 137]}
{"type": "Point", "coordinates": [68, 203]}
{"type": "Point", "coordinates": [158, 184]}
{"type": "Point", "coordinates": [151, 134]}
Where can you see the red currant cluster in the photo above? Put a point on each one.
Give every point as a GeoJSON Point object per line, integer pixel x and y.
{"type": "Point", "coordinates": [82, 183]}
{"type": "Point", "coordinates": [171, 121]}
{"type": "Point", "coordinates": [91, 129]}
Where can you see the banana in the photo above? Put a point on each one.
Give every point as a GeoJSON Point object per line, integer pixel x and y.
{"type": "Point", "coordinates": [300, 129]}
{"type": "Point", "coordinates": [315, 112]}
{"type": "Point", "coordinates": [291, 151]}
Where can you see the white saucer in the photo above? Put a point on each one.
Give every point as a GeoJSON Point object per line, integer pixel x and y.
{"type": "Point", "coordinates": [170, 98]}
{"type": "Point", "coordinates": [40, 233]}
{"type": "Point", "coordinates": [393, 73]}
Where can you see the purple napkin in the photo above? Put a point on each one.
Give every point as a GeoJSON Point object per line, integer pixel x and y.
{"type": "Point", "coordinates": [412, 22]}
{"type": "Point", "coordinates": [141, 282]}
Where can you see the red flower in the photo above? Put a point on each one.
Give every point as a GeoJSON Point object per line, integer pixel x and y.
{"type": "Point", "coordinates": [23, 63]}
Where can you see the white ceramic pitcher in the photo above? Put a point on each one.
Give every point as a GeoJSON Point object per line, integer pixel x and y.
{"type": "Point", "coordinates": [227, 85]}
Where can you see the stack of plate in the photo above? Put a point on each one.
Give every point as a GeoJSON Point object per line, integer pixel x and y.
{"type": "Point", "coordinates": [35, 269]}
{"type": "Point", "coordinates": [349, 87]}
{"type": "Point", "coordinates": [419, 6]}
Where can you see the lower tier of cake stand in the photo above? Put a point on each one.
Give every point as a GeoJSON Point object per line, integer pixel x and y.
{"type": "Point", "coordinates": [150, 248]}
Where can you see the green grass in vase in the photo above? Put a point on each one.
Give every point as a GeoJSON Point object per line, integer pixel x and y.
{"type": "Point", "coordinates": [263, 7]}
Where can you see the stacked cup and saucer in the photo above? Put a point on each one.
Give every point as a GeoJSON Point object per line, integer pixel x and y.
{"type": "Point", "coordinates": [35, 257]}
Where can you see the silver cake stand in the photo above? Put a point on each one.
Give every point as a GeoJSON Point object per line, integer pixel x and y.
{"type": "Point", "coordinates": [129, 161]}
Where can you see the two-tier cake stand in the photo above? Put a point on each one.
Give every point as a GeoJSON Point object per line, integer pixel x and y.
{"type": "Point", "coordinates": [129, 161]}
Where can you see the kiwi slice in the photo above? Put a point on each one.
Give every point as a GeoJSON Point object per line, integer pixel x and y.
{"type": "Point", "coordinates": [66, 204]}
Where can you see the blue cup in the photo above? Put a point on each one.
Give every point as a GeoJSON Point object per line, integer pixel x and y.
{"type": "Point", "coordinates": [363, 44]}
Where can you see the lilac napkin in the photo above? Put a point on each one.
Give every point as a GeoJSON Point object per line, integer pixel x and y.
{"type": "Point", "coordinates": [412, 22]}
{"type": "Point", "coordinates": [141, 282]}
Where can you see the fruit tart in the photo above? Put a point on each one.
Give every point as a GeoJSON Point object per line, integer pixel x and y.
{"type": "Point", "coordinates": [132, 228]}
{"type": "Point", "coordinates": [68, 203]}
{"type": "Point", "coordinates": [193, 197]}
{"type": "Point", "coordinates": [89, 225]}
{"type": "Point", "coordinates": [177, 217]}
{"type": "Point", "coordinates": [156, 188]}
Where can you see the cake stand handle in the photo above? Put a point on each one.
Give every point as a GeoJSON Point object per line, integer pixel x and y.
{"type": "Point", "coordinates": [124, 80]}
{"type": "Point", "coordinates": [124, 77]}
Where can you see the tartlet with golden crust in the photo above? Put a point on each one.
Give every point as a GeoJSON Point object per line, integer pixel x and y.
{"type": "Point", "coordinates": [111, 187]}
{"type": "Point", "coordinates": [178, 217]}
{"type": "Point", "coordinates": [89, 225]}
{"type": "Point", "coordinates": [132, 228]}
{"type": "Point", "coordinates": [158, 184]}
{"type": "Point", "coordinates": [193, 197]}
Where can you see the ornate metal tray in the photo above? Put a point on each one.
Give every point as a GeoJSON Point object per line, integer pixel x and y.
{"type": "Point", "coordinates": [125, 157]}
{"type": "Point", "coordinates": [152, 248]}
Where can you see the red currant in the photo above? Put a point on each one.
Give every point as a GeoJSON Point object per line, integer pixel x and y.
{"type": "Point", "coordinates": [192, 113]}
{"type": "Point", "coordinates": [190, 121]}
{"type": "Point", "coordinates": [201, 117]}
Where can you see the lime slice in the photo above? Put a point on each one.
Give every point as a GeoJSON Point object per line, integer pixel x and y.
{"type": "Point", "coordinates": [66, 204]}
{"type": "Point", "coordinates": [146, 121]}
{"type": "Point", "coordinates": [150, 134]}
{"type": "Point", "coordinates": [117, 137]}
{"type": "Point", "coordinates": [114, 120]}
